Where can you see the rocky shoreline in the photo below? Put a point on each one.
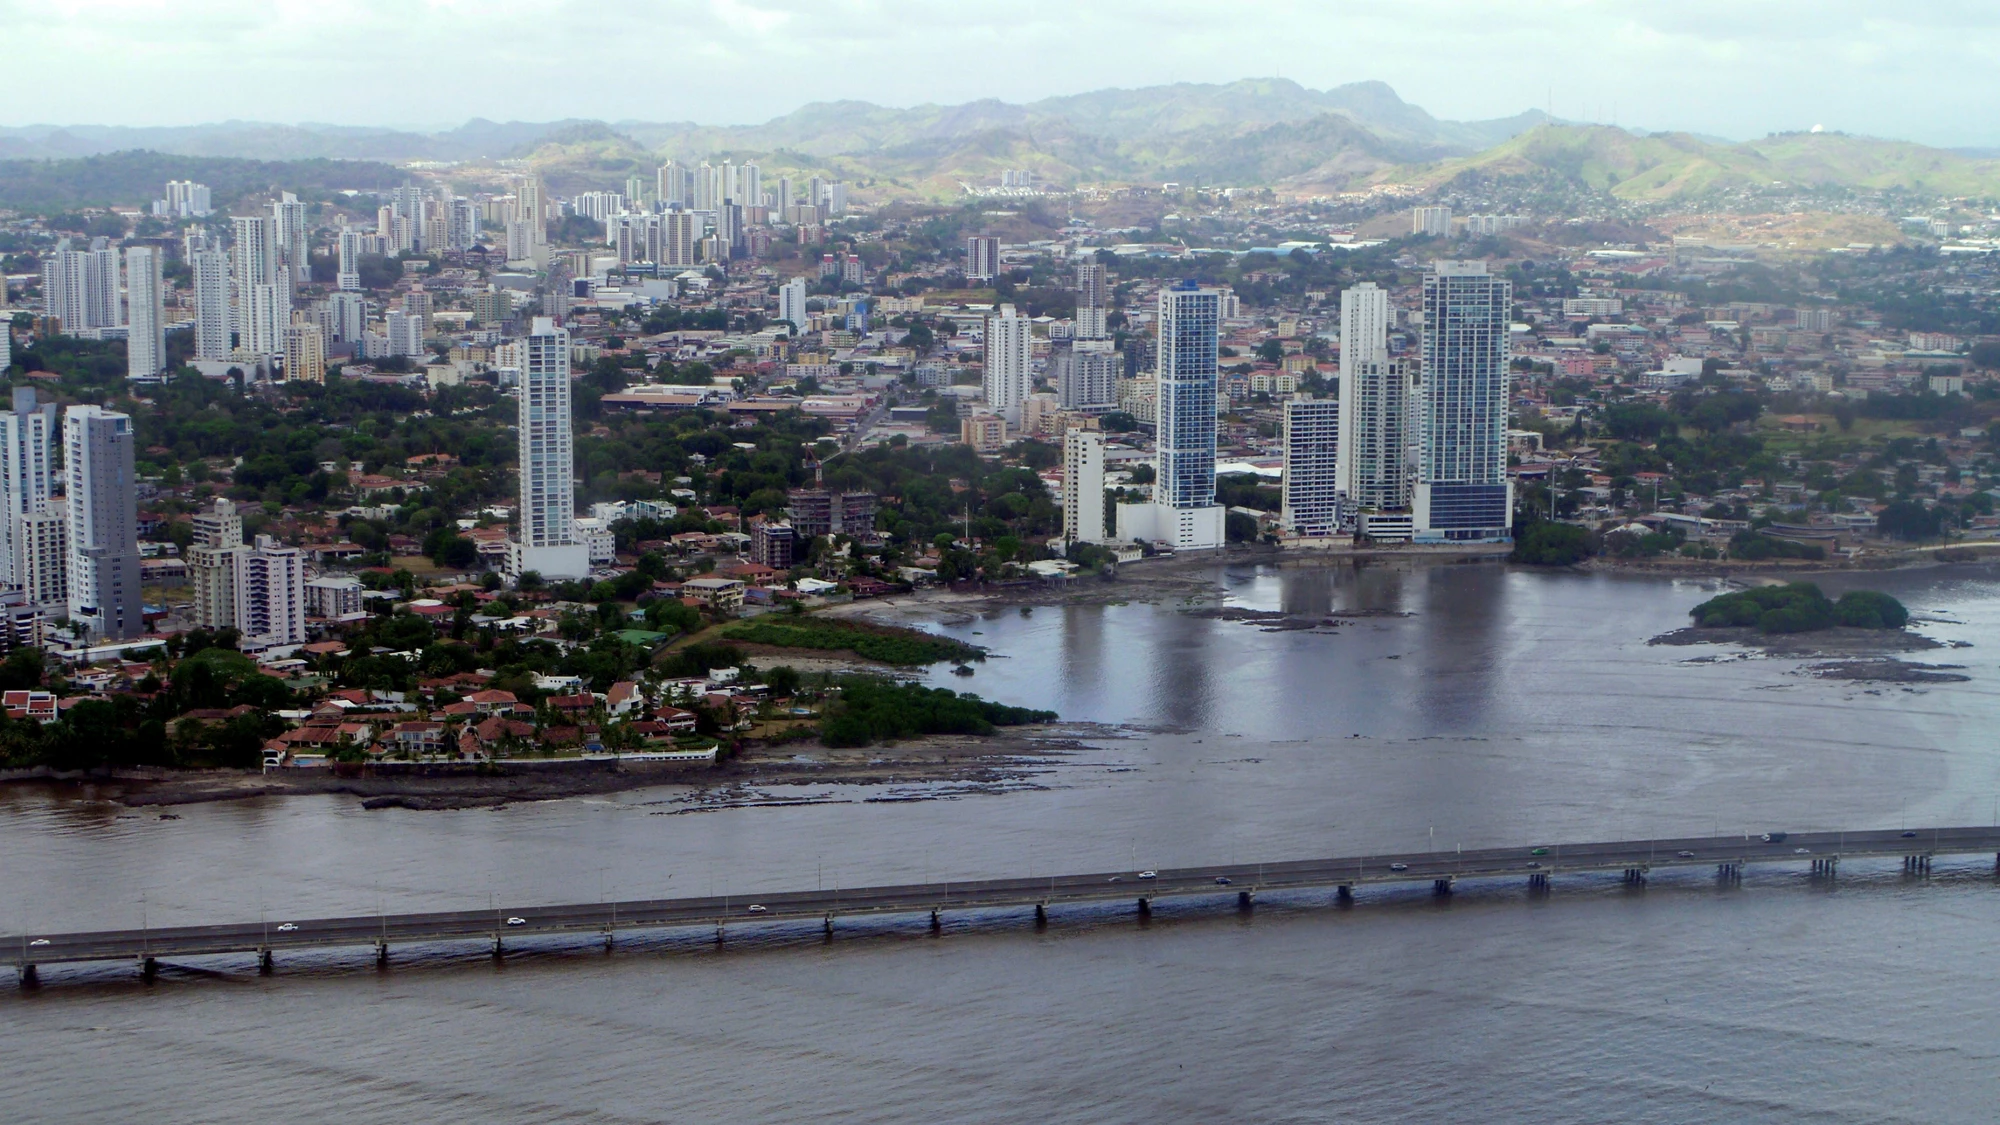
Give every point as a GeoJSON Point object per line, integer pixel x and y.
{"type": "Point", "coordinates": [1008, 757]}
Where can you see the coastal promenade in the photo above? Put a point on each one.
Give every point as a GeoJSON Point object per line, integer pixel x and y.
{"type": "Point", "coordinates": [1538, 866]}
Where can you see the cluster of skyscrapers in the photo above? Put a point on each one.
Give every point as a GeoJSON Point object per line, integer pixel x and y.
{"type": "Point", "coordinates": [74, 557]}
{"type": "Point", "coordinates": [1406, 451]}
{"type": "Point", "coordinates": [1416, 452]}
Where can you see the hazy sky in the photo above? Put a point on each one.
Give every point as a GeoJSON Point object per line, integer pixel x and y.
{"type": "Point", "coordinates": [1920, 69]}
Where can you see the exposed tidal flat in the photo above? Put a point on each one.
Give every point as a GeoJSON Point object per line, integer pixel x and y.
{"type": "Point", "coordinates": [1430, 704]}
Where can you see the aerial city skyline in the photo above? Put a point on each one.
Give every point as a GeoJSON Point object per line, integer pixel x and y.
{"type": "Point", "coordinates": [698, 558]}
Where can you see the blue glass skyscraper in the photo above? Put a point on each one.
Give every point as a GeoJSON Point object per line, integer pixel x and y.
{"type": "Point", "coordinates": [1462, 492]}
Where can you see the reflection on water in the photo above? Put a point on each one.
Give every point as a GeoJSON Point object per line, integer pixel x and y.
{"type": "Point", "coordinates": [1454, 704]}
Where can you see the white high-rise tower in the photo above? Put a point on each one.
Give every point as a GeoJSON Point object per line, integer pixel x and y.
{"type": "Point", "coordinates": [27, 476]}
{"type": "Point", "coordinates": [1374, 458]}
{"type": "Point", "coordinates": [146, 339]}
{"type": "Point", "coordinates": [1009, 340]}
{"type": "Point", "coordinates": [211, 303]}
{"type": "Point", "coordinates": [548, 542]}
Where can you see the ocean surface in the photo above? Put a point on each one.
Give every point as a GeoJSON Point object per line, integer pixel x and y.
{"type": "Point", "coordinates": [1454, 704]}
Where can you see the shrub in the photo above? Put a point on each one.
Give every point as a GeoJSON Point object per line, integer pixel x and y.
{"type": "Point", "coordinates": [1799, 607]}
{"type": "Point", "coordinates": [1552, 544]}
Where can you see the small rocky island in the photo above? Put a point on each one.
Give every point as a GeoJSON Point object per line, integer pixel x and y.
{"type": "Point", "coordinates": [1797, 619]}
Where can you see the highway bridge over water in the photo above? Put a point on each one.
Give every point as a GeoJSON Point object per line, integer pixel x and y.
{"type": "Point", "coordinates": [1538, 866]}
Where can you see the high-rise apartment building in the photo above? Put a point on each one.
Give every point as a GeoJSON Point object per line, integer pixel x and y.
{"type": "Point", "coordinates": [982, 258]}
{"type": "Point", "coordinates": [1374, 469]}
{"type": "Point", "coordinates": [677, 239]}
{"type": "Point", "coordinates": [531, 208]}
{"type": "Point", "coordinates": [257, 590]}
{"type": "Point", "coordinates": [305, 353]}
{"type": "Point", "coordinates": [1090, 302]}
{"type": "Point", "coordinates": [1083, 486]}
{"type": "Point", "coordinates": [406, 333]}
{"type": "Point", "coordinates": [347, 313]}
{"type": "Point", "coordinates": [256, 261]}
{"type": "Point", "coordinates": [211, 564]}
{"type": "Point", "coordinates": [1086, 376]}
{"type": "Point", "coordinates": [1183, 512]}
{"type": "Point", "coordinates": [792, 303]}
{"type": "Point", "coordinates": [103, 523]}
{"type": "Point", "coordinates": [348, 276]}
{"type": "Point", "coordinates": [266, 312]}
{"type": "Point", "coordinates": [1433, 220]}
{"type": "Point", "coordinates": [1311, 499]}
{"type": "Point", "coordinates": [548, 542]}
{"type": "Point", "coordinates": [1462, 490]}
{"type": "Point", "coordinates": [270, 595]}
{"type": "Point", "coordinates": [145, 336]}
{"type": "Point", "coordinates": [1009, 345]}
{"type": "Point", "coordinates": [41, 548]}
{"type": "Point", "coordinates": [289, 215]}
{"type": "Point", "coordinates": [210, 269]}
{"type": "Point", "coordinates": [187, 199]}
{"type": "Point", "coordinates": [27, 475]}
{"type": "Point", "coordinates": [80, 288]}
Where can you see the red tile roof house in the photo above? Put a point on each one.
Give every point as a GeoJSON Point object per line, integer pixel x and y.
{"type": "Point", "coordinates": [492, 700]}
{"type": "Point", "coordinates": [494, 732]}
{"type": "Point", "coordinates": [417, 738]}
{"type": "Point", "coordinates": [572, 706]}
{"type": "Point", "coordinates": [37, 705]}
{"type": "Point", "coordinates": [623, 698]}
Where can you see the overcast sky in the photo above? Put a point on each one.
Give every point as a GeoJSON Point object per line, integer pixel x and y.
{"type": "Point", "coordinates": [1919, 69]}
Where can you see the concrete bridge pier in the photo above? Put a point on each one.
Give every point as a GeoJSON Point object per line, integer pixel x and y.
{"type": "Point", "coordinates": [1916, 865]}
{"type": "Point", "coordinates": [1041, 915]}
{"type": "Point", "coordinates": [149, 969]}
{"type": "Point", "coordinates": [610, 938]}
{"type": "Point", "coordinates": [1245, 900]}
{"type": "Point", "coordinates": [937, 922]}
{"type": "Point", "coordinates": [1145, 908]}
{"type": "Point", "coordinates": [499, 947]}
{"type": "Point", "coordinates": [1441, 887]}
{"type": "Point", "coordinates": [1539, 882]}
{"type": "Point", "coordinates": [1635, 876]}
{"type": "Point", "coordinates": [29, 978]}
{"type": "Point", "coordinates": [827, 927]}
{"type": "Point", "coordinates": [1344, 893]}
{"type": "Point", "coordinates": [1729, 873]}
{"type": "Point", "coordinates": [381, 954]}
{"type": "Point", "coordinates": [1826, 868]}
{"type": "Point", "coordinates": [265, 962]}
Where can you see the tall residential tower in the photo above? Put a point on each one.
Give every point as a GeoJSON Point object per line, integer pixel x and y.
{"type": "Point", "coordinates": [1462, 490]}
{"type": "Point", "coordinates": [548, 543]}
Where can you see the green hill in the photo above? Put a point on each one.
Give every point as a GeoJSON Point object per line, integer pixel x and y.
{"type": "Point", "coordinates": [1669, 166]}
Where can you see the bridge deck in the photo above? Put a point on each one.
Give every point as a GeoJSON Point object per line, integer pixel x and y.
{"type": "Point", "coordinates": [27, 950]}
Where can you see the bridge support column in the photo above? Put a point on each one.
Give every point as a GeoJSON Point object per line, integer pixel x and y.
{"type": "Point", "coordinates": [828, 926]}
{"type": "Point", "coordinates": [609, 939]}
{"type": "Point", "coordinates": [29, 978]}
{"type": "Point", "coordinates": [1245, 900]}
{"type": "Point", "coordinates": [265, 962]}
{"type": "Point", "coordinates": [1441, 887]}
{"type": "Point", "coordinates": [499, 947]}
{"type": "Point", "coordinates": [1538, 882]}
{"type": "Point", "coordinates": [937, 922]}
{"type": "Point", "coordinates": [1635, 875]}
{"type": "Point", "coordinates": [149, 969]}
{"type": "Point", "coordinates": [1145, 908]}
{"type": "Point", "coordinates": [1729, 873]}
{"type": "Point", "coordinates": [1041, 914]}
{"type": "Point", "coordinates": [1917, 864]}
{"type": "Point", "coordinates": [381, 954]}
{"type": "Point", "coordinates": [1344, 893]}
